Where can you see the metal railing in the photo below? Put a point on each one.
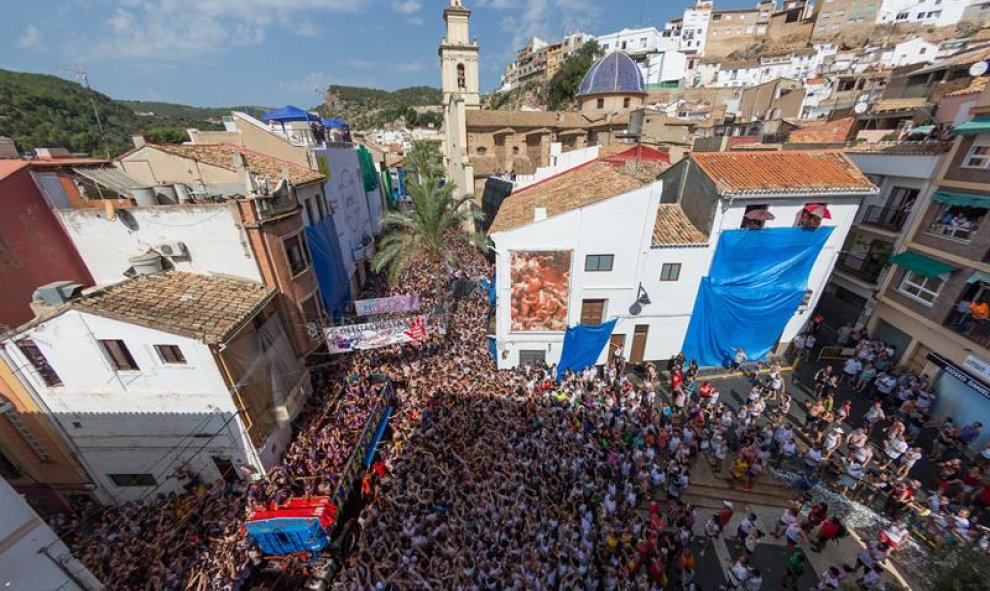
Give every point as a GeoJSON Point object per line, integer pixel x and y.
{"type": "Point", "coordinates": [950, 231]}
{"type": "Point", "coordinates": [975, 330]}
{"type": "Point", "coordinates": [885, 217]}
{"type": "Point", "coordinates": [866, 268]}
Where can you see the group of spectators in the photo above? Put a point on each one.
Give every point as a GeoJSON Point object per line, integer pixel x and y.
{"type": "Point", "coordinates": [513, 480]}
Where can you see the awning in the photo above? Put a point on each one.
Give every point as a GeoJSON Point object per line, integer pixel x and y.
{"type": "Point", "coordinates": [962, 199]}
{"type": "Point", "coordinates": [925, 129]}
{"type": "Point", "coordinates": [922, 265]}
{"type": "Point", "coordinates": [980, 276]}
{"type": "Point", "coordinates": [111, 178]}
{"type": "Point", "coordinates": [973, 127]}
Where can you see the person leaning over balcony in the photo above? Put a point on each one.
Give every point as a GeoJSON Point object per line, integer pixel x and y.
{"type": "Point", "coordinates": [979, 311]}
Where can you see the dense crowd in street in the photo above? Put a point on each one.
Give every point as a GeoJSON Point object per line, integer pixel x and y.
{"type": "Point", "coordinates": [513, 480]}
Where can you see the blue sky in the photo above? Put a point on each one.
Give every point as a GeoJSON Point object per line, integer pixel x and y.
{"type": "Point", "coordinates": [275, 52]}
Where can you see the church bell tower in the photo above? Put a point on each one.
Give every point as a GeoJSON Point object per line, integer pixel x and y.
{"type": "Point", "coordinates": [461, 93]}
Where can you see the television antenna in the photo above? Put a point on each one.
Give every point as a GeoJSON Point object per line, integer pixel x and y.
{"type": "Point", "coordinates": [80, 76]}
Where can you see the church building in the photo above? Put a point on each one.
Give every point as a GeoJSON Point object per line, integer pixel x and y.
{"type": "Point", "coordinates": [479, 143]}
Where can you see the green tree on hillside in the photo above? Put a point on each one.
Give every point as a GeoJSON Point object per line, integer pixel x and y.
{"type": "Point", "coordinates": [564, 84]}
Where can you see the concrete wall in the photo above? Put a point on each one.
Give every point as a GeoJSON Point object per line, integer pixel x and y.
{"type": "Point", "coordinates": [34, 250]}
{"type": "Point", "coordinates": [148, 421]}
{"type": "Point", "coordinates": [211, 232]}
{"type": "Point", "coordinates": [153, 167]}
{"type": "Point", "coordinates": [260, 139]}
{"type": "Point", "coordinates": [26, 541]}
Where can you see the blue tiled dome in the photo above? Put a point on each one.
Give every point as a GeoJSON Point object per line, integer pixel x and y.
{"type": "Point", "coordinates": [615, 73]}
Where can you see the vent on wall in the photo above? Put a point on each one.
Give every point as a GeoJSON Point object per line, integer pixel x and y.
{"type": "Point", "coordinates": [173, 249]}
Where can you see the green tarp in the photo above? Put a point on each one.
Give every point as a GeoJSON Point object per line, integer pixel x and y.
{"type": "Point", "coordinates": [922, 265]}
{"type": "Point", "coordinates": [973, 127]}
{"type": "Point", "coordinates": [962, 199]}
{"type": "Point", "coordinates": [369, 175]}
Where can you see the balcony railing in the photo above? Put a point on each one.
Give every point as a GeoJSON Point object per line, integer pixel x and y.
{"type": "Point", "coordinates": [975, 330]}
{"type": "Point", "coordinates": [866, 268]}
{"type": "Point", "coordinates": [959, 233]}
{"type": "Point", "coordinates": [887, 218]}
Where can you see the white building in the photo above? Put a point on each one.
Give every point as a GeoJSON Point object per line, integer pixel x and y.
{"type": "Point", "coordinates": [939, 13]}
{"type": "Point", "coordinates": [624, 234]}
{"type": "Point", "coordinates": [162, 373]}
{"type": "Point", "coordinates": [632, 41]}
{"type": "Point", "coordinates": [691, 29]}
{"type": "Point", "coordinates": [913, 51]}
{"type": "Point", "coordinates": [31, 555]}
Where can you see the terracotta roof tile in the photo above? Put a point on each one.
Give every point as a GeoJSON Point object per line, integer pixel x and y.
{"type": "Point", "coordinates": [976, 86]}
{"type": "Point", "coordinates": [898, 104]}
{"type": "Point", "coordinates": [222, 156]}
{"type": "Point", "coordinates": [204, 307]}
{"type": "Point", "coordinates": [812, 171]}
{"type": "Point", "coordinates": [825, 132]}
{"type": "Point", "coordinates": [674, 228]}
{"type": "Point", "coordinates": [579, 187]}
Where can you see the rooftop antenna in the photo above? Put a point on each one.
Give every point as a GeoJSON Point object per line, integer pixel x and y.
{"type": "Point", "coordinates": [80, 76]}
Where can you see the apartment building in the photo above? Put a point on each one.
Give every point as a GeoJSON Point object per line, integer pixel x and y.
{"type": "Point", "coordinates": [833, 16]}
{"type": "Point", "coordinates": [932, 304]}
{"type": "Point", "coordinates": [938, 13]}
{"type": "Point", "coordinates": [732, 29]}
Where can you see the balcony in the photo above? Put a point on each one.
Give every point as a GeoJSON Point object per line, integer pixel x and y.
{"type": "Point", "coordinates": [975, 330]}
{"type": "Point", "coordinates": [866, 268]}
{"type": "Point", "coordinates": [887, 218]}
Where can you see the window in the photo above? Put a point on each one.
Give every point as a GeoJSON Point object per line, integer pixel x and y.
{"type": "Point", "coordinates": [461, 77]}
{"type": "Point", "coordinates": [919, 287]}
{"type": "Point", "coordinates": [592, 312]}
{"type": "Point", "coordinates": [312, 310]}
{"type": "Point", "coordinates": [625, 102]}
{"type": "Point", "coordinates": [37, 360]}
{"type": "Point", "coordinates": [532, 357]}
{"type": "Point", "coordinates": [601, 103]}
{"type": "Point", "coordinates": [515, 150]}
{"type": "Point", "coordinates": [978, 157]}
{"type": "Point", "coordinates": [310, 220]}
{"type": "Point", "coordinates": [297, 253]}
{"type": "Point", "coordinates": [958, 222]}
{"type": "Point", "coordinates": [481, 150]}
{"type": "Point", "coordinates": [170, 354]}
{"type": "Point", "coordinates": [119, 356]}
{"type": "Point", "coordinates": [321, 205]}
{"type": "Point", "coordinates": [133, 479]}
{"type": "Point", "coordinates": [811, 215]}
{"type": "Point", "coordinates": [598, 262]}
{"type": "Point", "coordinates": [755, 217]}
{"type": "Point", "coordinates": [670, 272]}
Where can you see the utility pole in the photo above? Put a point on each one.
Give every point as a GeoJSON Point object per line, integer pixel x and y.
{"type": "Point", "coordinates": [81, 76]}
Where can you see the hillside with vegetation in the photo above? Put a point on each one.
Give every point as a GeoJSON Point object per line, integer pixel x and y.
{"type": "Point", "coordinates": [38, 110]}
{"type": "Point", "coordinates": [555, 94]}
{"type": "Point", "coordinates": [367, 108]}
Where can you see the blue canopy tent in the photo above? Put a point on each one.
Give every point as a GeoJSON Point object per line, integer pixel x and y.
{"type": "Point", "coordinates": [335, 124]}
{"type": "Point", "coordinates": [289, 113]}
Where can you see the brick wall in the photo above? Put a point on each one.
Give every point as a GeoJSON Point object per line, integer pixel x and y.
{"type": "Point", "coordinates": [956, 171]}
{"type": "Point", "coordinates": [974, 250]}
{"type": "Point", "coordinates": [947, 297]}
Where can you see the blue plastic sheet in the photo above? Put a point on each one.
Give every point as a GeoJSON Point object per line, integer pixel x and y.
{"type": "Point", "coordinates": [583, 345]}
{"type": "Point", "coordinates": [756, 283]}
{"type": "Point", "coordinates": [493, 349]}
{"type": "Point", "coordinates": [289, 113]}
{"type": "Point", "coordinates": [331, 275]}
{"type": "Point", "coordinates": [489, 289]}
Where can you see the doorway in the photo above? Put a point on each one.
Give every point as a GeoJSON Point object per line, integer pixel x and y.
{"type": "Point", "coordinates": [226, 469]}
{"type": "Point", "coordinates": [640, 334]}
{"type": "Point", "coordinates": [616, 342]}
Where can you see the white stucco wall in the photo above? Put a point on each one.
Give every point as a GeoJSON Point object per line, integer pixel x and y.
{"type": "Point", "coordinates": [211, 233]}
{"type": "Point", "coordinates": [23, 565]}
{"type": "Point", "coordinates": [149, 421]}
{"type": "Point", "coordinates": [622, 226]}
{"type": "Point", "coordinates": [560, 161]}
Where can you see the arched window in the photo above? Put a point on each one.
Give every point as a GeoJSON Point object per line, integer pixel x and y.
{"type": "Point", "coordinates": [461, 77]}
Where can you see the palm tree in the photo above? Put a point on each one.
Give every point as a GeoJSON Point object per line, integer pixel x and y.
{"type": "Point", "coordinates": [428, 231]}
{"type": "Point", "coordinates": [424, 160]}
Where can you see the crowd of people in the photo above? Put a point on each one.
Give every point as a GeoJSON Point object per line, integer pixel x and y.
{"type": "Point", "coordinates": [513, 480]}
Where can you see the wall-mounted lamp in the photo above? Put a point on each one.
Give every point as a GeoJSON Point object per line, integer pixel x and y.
{"type": "Point", "coordinates": [642, 298]}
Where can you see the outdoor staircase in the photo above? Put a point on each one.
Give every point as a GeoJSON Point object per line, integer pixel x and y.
{"type": "Point", "coordinates": [709, 490]}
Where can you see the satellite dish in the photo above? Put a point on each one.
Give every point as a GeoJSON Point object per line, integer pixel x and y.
{"type": "Point", "coordinates": [125, 217]}
{"type": "Point", "coordinates": [979, 69]}
{"type": "Point", "coordinates": [860, 108]}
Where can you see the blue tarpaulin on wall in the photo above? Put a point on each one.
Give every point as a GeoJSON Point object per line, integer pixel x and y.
{"type": "Point", "coordinates": [756, 283]}
{"type": "Point", "coordinates": [489, 289]}
{"type": "Point", "coordinates": [583, 345]}
{"type": "Point", "coordinates": [324, 246]}
{"type": "Point", "coordinates": [493, 349]}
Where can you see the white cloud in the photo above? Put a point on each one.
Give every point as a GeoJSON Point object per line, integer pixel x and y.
{"type": "Point", "coordinates": [406, 6]}
{"type": "Point", "coordinates": [30, 39]}
{"type": "Point", "coordinates": [176, 30]}
{"type": "Point", "coordinates": [547, 19]}
{"type": "Point", "coordinates": [417, 21]}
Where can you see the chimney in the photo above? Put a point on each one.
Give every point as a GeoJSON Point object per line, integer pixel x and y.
{"type": "Point", "coordinates": [139, 141]}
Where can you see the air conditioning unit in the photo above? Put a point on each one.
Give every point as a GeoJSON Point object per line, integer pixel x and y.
{"type": "Point", "coordinates": [173, 249]}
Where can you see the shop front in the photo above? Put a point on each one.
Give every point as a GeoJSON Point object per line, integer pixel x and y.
{"type": "Point", "coordinates": [963, 393]}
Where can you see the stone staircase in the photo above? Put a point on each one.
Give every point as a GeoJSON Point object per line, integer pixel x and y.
{"type": "Point", "coordinates": [709, 490]}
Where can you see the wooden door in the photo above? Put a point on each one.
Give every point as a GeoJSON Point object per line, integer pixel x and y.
{"type": "Point", "coordinates": [640, 334]}
{"type": "Point", "coordinates": [616, 342]}
{"type": "Point", "coordinates": [592, 312]}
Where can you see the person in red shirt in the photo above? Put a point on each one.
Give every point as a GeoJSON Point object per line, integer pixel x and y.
{"type": "Point", "coordinates": [724, 516]}
{"type": "Point", "coordinates": [828, 531]}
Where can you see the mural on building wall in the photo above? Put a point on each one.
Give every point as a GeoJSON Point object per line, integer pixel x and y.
{"type": "Point", "coordinates": [540, 283]}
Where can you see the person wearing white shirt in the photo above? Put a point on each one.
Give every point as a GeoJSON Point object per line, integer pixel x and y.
{"type": "Point", "coordinates": [851, 369]}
